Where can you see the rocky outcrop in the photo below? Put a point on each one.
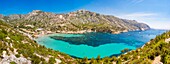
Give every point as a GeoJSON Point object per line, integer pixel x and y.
{"type": "Point", "coordinates": [167, 40]}
{"type": "Point", "coordinates": [18, 47]}
{"type": "Point", "coordinates": [12, 58]}
{"type": "Point", "coordinates": [80, 20]}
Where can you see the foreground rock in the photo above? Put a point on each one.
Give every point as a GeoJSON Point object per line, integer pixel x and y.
{"type": "Point", "coordinates": [17, 47]}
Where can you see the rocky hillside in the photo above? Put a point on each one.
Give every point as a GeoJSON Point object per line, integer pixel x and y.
{"type": "Point", "coordinates": [157, 51]}
{"type": "Point", "coordinates": [17, 48]}
{"type": "Point", "coordinates": [81, 20]}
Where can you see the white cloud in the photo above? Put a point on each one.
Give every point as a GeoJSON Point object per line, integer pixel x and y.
{"type": "Point", "coordinates": [154, 20]}
{"type": "Point", "coordinates": [140, 14]}
{"type": "Point", "coordinates": [136, 1]}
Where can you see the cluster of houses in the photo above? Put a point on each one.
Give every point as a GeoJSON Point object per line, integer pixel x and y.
{"type": "Point", "coordinates": [35, 33]}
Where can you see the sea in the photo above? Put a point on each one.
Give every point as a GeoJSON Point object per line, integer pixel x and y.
{"type": "Point", "coordinates": [93, 44]}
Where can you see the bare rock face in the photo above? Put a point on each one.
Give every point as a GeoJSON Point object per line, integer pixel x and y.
{"type": "Point", "coordinates": [21, 49]}
{"type": "Point", "coordinates": [76, 21]}
{"type": "Point", "coordinates": [167, 40]}
{"type": "Point", "coordinates": [13, 58]}
{"type": "Point", "coordinates": [35, 12]}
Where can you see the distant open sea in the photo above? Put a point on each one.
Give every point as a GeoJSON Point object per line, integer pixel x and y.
{"type": "Point", "coordinates": [96, 43]}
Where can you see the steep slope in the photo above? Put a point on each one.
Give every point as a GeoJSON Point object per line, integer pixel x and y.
{"type": "Point", "coordinates": [156, 51]}
{"type": "Point", "coordinates": [15, 47]}
{"type": "Point", "coordinates": [81, 20]}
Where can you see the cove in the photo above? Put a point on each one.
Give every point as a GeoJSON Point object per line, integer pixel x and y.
{"type": "Point", "coordinates": [93, 44]}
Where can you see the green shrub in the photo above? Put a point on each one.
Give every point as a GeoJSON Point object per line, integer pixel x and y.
{"type": "Point", "coordinates": [13, 62]}
{"type": "Point", "coordinates": [52, 60]}
{"type": "Point", "coordinates": [17, 55]}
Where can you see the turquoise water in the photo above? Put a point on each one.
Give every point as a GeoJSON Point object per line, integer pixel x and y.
{"type": "Point", "coordinates": [94, 44]}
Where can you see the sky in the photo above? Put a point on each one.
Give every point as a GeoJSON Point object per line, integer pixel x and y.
{"type": "Point", "coordinates": [155, 13]}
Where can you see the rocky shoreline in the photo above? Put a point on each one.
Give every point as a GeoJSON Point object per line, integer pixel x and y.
{"type": "Point", "coordinates": [40, 33]}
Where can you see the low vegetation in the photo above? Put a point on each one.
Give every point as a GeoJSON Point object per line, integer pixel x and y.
{"type": "Point", "coordinates": [74, 21]}
{"type": "Point", "coordinates": [147, 54]}
{"type": "Point", "coordinates": [10, 39]}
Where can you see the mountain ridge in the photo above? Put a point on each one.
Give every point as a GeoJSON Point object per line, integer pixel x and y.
{"type": "Point", "coordinates": [28, 50]}
{"type": "Point", "coordinates": [18, 48]}
{"type": "Point", "coordinates": [79, 21]}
